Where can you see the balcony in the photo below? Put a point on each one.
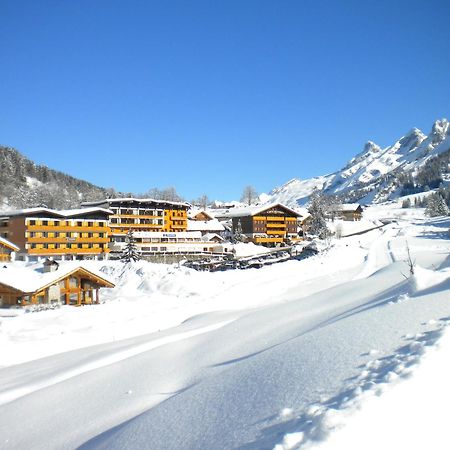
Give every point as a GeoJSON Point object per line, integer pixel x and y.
{"type": "Point", "coordinates": [63, 240]}
{"type": "Point", "coordinates": [277, 232]}
{"type": "Point", "coordinates": [275, 225]}
{"type": "Point", "coordinates": [67, 251]}
{"type": "Point", "coordinates": [57, 228]}
{"type": "Point", "coordinates": [263, 240]}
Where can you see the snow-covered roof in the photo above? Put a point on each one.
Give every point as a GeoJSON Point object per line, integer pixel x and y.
{"type": "Point", "coordinates": [53, 212]}
{"type": "Point", "coordinates": [347, 207]}
{"type": "Point", "coordinates": [25, 211]}
{"type": "Point", "coordinates": [205, 225]}
{"type": "Point", "coordinates": [133, 199]}
{"type": "Point", "coordinates": [8, 244]}
{"type": "Point", "coordinates": [196, 211]}
{"type": "Point", "coordinates": [26, 279]}
{"type": "Point", "coordinates": [81, 211]}
{"type": "Point", "coordinates": [210, 236]}
{"type": "Point", "coordinates": [252, 210]}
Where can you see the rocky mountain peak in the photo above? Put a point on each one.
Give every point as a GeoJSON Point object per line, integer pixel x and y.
{"type": "Point", "coordinates": [440, 130]}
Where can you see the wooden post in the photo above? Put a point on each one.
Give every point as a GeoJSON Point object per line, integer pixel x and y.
{"type": "Point", "coordinates": [67, 291]}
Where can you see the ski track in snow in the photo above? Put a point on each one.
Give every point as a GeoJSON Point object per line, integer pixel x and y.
{"type": "Point", "coordinates": [14, 394]}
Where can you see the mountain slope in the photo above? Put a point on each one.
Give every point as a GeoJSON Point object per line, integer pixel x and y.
{"type": "Point", "coordinates": [26, 184]}
{"type": "Point", "coordinates": [374, 174]}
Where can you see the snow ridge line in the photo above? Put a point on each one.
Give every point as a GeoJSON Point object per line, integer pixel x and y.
{"type": "Point", "coordinates": [14, 394]}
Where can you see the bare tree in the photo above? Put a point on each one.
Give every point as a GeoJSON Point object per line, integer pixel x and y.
{"type": "Point", "coordinates": [203, 201]}
{"type": "Point", "coordinates": [249, 195]}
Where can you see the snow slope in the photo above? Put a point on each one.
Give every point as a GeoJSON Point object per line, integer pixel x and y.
{"type": "Point", "coordinates": [258, 359]}
{"type": "Point", "coordinates": [366, 169]}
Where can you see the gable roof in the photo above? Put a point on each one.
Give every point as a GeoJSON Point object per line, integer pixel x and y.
{"type": "Point", "coordinates": [9, 244]}
{"type": "Point", "coordinates": [208, 237]}
{"type": "Point", "coordinates": [347, 207]}
{"type": "Point", "coordinates": [28, 280]}
{"type": "Point", "coordinates": [194, 212]}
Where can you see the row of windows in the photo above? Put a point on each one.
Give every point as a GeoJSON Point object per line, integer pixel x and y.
{"type": "Point", "coordinates": [123, 221]}
{"type": "Point", "coordinates": [48, 234]}
{"type": "Point", "coordinates": [137, 212]}
{"type": "Point", "coordinates": [176, 213]}
{"type": "Point", "coordinates": [66, 223]}
{"type": "Point", "coordinates": [157, 240]}
{"type": "Point", "coordinates": [164, 249]}
{"type": "Point", "coordinates": [65, 246]}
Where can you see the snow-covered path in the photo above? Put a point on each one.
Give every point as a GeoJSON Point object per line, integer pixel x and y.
{"type": "Point", "coordinates": [245, 376]}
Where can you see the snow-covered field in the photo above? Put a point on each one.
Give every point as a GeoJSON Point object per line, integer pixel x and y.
{"type": "Point", "coordinates": [301, 354]}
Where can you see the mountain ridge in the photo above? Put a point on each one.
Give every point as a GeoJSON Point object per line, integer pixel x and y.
{"type": "Point", "coordinates": [374, 172]}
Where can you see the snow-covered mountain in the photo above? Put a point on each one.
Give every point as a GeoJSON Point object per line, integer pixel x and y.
{"type": "Point", "coordinates": [371, 176]}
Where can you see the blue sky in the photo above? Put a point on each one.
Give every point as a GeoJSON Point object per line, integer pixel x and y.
{"type": "Point", "coordinates": [211, 96]}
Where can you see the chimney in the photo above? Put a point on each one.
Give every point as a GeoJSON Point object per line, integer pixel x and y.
{"type": "Point", "coordinates": [50, 265]}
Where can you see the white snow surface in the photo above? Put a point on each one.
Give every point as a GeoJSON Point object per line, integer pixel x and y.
{"type": "Point", "coordinates": [300, 354]}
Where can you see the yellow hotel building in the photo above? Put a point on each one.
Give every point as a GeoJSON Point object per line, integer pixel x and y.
{"type": "Point", "coordinates": [143, 215]}
{"type": "Point", "coordinates": [71, 234]}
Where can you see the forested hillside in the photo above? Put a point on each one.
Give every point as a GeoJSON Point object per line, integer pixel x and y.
{"type": "Point", "coordinates": [26, 184]}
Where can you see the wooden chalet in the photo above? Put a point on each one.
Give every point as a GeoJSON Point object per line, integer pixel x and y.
{"type": "Point", "coordinates": [50, 285]}
{"type": "Point", "coordinates": [201, 215]}
{"type": "Point", "coordinates": [205, 222]}
{"type": "Point", "coordinates": [347, 211]}
{"type": "Point", "coordinates": [267, 224]}
{"type": "Point", "coordinates": [6, 248]}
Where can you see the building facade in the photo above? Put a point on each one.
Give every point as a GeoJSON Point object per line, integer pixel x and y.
{"type": "Point", "coordinates": [268, 225]}
{"type": "Point", "coordinates": [179, 243]}
{"type": "Point", "coordinates": [145, 217]}
{"type": "Point", "coordinates": [71, 234]}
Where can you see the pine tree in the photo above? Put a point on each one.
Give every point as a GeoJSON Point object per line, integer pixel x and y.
{"type": "Point", "coordinates": [406, 203]}
{"type": "Point", "coordinates": [237, 233]}
{"type": "Point", "coordinates": [436, 206]}
{"type": "Point", "coordinates": [318, 209]}
{"type": "Point", "coordinates": [130, 251]}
